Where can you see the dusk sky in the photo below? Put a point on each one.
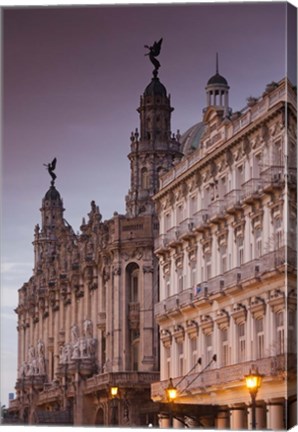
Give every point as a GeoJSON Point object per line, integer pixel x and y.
{"type": "Point", "coordinates": [72, 80]}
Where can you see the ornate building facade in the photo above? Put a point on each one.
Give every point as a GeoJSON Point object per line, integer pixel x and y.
{"type": "Point", "coordinates": [196, 282]}
{"type": "Point", "coordinates": [227, 255]}
{"type": "Point", "coordinates": [86, 316]}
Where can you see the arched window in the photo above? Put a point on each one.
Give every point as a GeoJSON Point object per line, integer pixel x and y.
{"type": "Point", "coordinates": [132, 272]}
{"type": "Point", "coordinates": [144, 178]}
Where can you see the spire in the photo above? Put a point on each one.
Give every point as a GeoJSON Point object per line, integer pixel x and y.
{"type": "Point", "coordinates": [216, 63]}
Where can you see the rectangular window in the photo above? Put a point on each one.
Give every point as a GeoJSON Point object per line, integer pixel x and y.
{"type": "Point", "coordinates": [225, 347]}
{"type": "Point", "coordinates": [168, 361]}
{"type": "Point", "coordinates": [194, 352]}
{"type": "Point", "coordinates": [209, 347]}
{"type": "Point", "coordinates": [168, 288]}
{"type": "Point", "coordinates": [239, 176]}
{"type": "Point", "coordinates": [292, 332]}
{"type": "Point", "coordinates": [180, 214]}
{"type": "Point", "coordinates": [240, 242]}
{"type": "Point", "coordinates": [279, 319]}
{"type": "Point", "coordinates": [193, 204]}
{"type": "Point", "coordinates": [260, 338]}
{"type": "Point", "coordinates": [208, 267]}
{"type": "Point", "coordinates": [180, 282]}
{"type": "Point", "coordinates": [180, 359]}
{"type": "Point", "coordinates": [241, 343]}
{"type": "Point", "coordinates": [223, 260]}
{"type": "Point", "coordinates": [193, 275]}
{"type": "Point", "coordinates": [167, 222]}
{"type": "Point", "coordinates": [258, 243]}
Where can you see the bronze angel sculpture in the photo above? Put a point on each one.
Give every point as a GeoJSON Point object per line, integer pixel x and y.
{"type": "Point", "coordinates": [51, 167]}
{"type": "Point", "coordinates": [154, 51]}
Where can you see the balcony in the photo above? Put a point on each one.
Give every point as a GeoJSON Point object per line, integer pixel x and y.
{"type": "Point", "coordinates": [216, 210]}
{"type": "Point", "coordinates": [200, 220]}
{"type": "Point", "coordinates": [229, 376]}
{"type": "Point", "coordinates": [251, 190]}
{"type": "Point", "coordinates": [122, 379]}
{"type": "Point", "coordinates": [273, 178]}
{"type": "Point", "coordinates": [185, 298]}
{"type": "Point", "coordinates": [186, 229]}
{"type": "Point", "coordinates": [232, 201]}
{"type": "Point", "coordinates": [166, 306]}
{"type": "Point", "coordinates": [173, 236]}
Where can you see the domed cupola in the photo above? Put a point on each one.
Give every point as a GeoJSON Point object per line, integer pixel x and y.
{"type": "Point", "coordinates": [217, 92]}
{"type": "Point", "coordinates": [53, 196]}
{"type": "Point", "coordinates": [52, 210]}
{"type": "Point", "coordinates": [155, 88]}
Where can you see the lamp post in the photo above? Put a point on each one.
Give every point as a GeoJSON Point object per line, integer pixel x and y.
{"type": "Point", "coordinates": [114, 393]}
{"type": "Point", "coordinates": [253, 383]}
{"type": "Point", "coordinates": [171, 392]}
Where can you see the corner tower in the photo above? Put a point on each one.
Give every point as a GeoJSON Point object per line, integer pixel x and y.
{"type": "Point", "coordinates": [154, 149]}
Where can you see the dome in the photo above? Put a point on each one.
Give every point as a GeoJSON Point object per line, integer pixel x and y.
{"type": "Point", "coordinates": [191, 139]}
{"type": "Point", "coordinates": [217, 79]}
{"type": "Point", "coordinates": [155, 88]}
{"type": "Point", "coordinates": [52, 195]}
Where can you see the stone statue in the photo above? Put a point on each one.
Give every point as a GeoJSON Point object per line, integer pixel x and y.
{"type": "Point", "coordinates": [74, 333]}
{"type": "Point", "coordinates": [51, 167]}
{"type": "Point", "coordinates": [88, 331]}
{"type": "Point", "coordinates": [153, 53]}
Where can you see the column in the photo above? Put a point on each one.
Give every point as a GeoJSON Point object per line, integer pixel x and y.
{"type": "Point", "coordinates": [222, 420]}
{"type": "Point", "coordinates": [275, 416]}
{"type": "Point", "coordinates": [238, 418]}
{"type": "Point", "coordinates": [164, 421]}
{"type": "Point", "coordinates": [260, 417]}
{"type": "Point", "coordinates": [292, 420]}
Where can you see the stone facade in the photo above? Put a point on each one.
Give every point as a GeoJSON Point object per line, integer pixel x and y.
{"type": "Point", "coordinates": [227, 255]}
{"type": "Point", "coordinates": [201, 268]}
{"type": "Point", "coordinates": [86, 316]}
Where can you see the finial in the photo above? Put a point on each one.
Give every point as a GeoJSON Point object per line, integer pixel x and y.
{"type": "Point", "coordinates": [217, 63]}
{"type": "Point", "coordinates": [51, 167]}
{"type": "Point", "coordinates": [154, 51]}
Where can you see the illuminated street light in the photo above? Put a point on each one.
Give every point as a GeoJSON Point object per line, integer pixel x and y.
{"type": "Point", "coordinates": [253, 383]}
{"type": "Point", "coordinates": [171, 391]}
{"type": "Point", "coordinates": [114, 391]}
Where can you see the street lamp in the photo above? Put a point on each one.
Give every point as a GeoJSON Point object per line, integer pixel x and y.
{"type": "Point", "coordinates": [171, 392]}
{"type": "Point", "coordinates": [114, 392]}
{"type": "Point", "coordinates": [253, 383]}
{"type": "Point", "coordinates": [114, 395]}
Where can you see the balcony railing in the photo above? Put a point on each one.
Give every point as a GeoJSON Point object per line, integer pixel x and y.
{"type": "Point", "coordinates": [228, 375]}
{"type": "Point", "coordinates": [200, 219]}
{"type": "Point", "coordinates": [124, 379]}
{"type": "Point", "coordinates": [245, 273]}
{"type": "Point", "coordinates": [216, 209]}
{"type": "Point", "coordinates": [251, 189]}
{"type": "Point", "coordinates": [232, 200]}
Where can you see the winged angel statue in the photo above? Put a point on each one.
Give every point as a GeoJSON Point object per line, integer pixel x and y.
{"type": "Point", "coordinates": [51, 167]}
{"type": "Point", "coordinates": [154, 51]}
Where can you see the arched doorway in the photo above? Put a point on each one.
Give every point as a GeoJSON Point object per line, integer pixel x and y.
{"type": "Point", "coordinates": [99, 419]}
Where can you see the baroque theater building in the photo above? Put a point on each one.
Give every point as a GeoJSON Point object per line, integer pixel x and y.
{"type": "Point", "coordinates": [86, 316]}
{"type": "Point", "coordinates": [227, 256]}
{"type": "Point", "coordinates": [196, 282]}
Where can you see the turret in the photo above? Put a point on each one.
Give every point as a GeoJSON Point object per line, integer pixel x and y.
{"type": "Point", "coordinates": [154, 149]}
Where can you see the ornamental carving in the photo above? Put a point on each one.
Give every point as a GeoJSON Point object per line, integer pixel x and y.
{"type": "Point", "coordinates": [35, 364]}
{"type": "Point", "coordinates": [83, 347]}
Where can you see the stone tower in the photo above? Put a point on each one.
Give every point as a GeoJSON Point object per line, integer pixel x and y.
{"type": "Point", "coordinates": [153, 150]}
